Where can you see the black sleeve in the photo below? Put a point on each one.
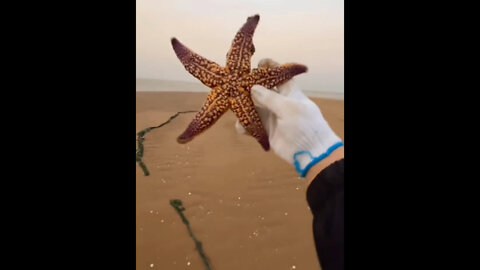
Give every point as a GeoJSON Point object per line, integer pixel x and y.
{"type": "Point", "coordinates": [325, 196]}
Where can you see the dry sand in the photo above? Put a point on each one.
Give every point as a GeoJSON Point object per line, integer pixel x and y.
{"type": "Point", "coordinates": [247, 206]}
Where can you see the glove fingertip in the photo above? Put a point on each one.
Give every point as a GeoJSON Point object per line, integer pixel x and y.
{"type": "Point", "coordinates": [240, 129]}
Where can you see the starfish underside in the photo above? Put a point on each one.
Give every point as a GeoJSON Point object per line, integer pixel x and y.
{"type": "Point", "coordinates": [231, 84]}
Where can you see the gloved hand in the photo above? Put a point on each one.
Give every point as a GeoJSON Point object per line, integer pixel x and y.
{"type": "Point", "coordinates": [297, 131]}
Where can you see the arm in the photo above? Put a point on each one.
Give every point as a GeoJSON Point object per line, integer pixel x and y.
{"type": "Point", "coordinates": [299, 134]}
{"type": "Point", "coordinates": [325, 196]}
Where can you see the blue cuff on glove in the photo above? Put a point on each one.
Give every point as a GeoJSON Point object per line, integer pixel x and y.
{"type": "Point", "coordinates": [314, 161]}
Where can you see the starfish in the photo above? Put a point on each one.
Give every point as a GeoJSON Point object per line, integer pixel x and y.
{"type": "Point", "coordinates": [231, 85]}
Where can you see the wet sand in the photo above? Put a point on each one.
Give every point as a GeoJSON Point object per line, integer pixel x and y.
{"type": "Point", "coordinates": [245, 205]}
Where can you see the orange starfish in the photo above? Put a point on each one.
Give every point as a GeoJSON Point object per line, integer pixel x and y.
{"type": "Point", "coordinates": [231, 85]}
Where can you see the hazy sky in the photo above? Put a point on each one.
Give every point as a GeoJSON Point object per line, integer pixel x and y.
{"type": "Point", "coordinates": [309, 32]}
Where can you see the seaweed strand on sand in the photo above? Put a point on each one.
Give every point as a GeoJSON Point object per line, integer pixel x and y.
{"type": "Point", "coordinates": [141, 137]}
{"type": "Point", "coordinates": [177, 204]}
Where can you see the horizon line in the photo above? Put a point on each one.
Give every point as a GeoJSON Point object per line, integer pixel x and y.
{"type": "Point", "coordinates": [334, 95]}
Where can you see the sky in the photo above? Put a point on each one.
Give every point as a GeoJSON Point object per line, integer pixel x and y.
{"type": "Point", "coordinates": [309, 32]}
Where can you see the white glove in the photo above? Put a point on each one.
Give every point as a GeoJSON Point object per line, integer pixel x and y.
{"type": "Point", "coordinates": [297, 131]}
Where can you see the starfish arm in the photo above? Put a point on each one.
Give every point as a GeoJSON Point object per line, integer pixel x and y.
{"type": "Point", "coordinates": [244, 109]}
{"type": "Point", "coordinates": [242, 49]}
{"type": "Point", "coordinates": [214, 107]}
{"type": "Point", "coordinates": [208, 72]}
{"type": "Point", "coordinates": [271, 77]}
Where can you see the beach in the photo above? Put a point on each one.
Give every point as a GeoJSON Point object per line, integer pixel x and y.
{"type": "Point", "coordinates": [246, 206]}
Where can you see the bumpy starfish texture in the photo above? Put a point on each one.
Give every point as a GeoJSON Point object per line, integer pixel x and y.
{"type": "Point", "coordinates": [231, 84]}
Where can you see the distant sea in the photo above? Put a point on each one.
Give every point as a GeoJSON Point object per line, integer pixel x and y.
{"type": "Point", "coordinates": [152, 85]}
